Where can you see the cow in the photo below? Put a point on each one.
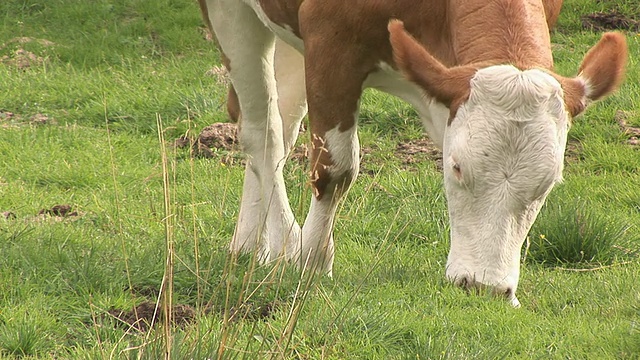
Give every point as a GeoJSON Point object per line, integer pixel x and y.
{"type": "Point", "coordinates": [479, 74]}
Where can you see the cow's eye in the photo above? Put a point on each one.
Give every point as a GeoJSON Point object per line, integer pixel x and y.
{"type": "Point", "coordinates": [457, 171]}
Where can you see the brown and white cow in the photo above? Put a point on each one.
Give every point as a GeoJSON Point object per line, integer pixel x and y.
{"type": "Point", "coordinates": [480, 75]}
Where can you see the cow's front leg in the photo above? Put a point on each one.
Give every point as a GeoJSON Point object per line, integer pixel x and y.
{"type": "Point", "coordinates": [333, 96]}
{"type": "Point", "coordinates": [266, 222]}
{"type": "Point", "coordinates": [335, 160]}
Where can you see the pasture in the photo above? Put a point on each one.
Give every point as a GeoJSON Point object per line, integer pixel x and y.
{"type": "Point", "coordinates": [103, 215]}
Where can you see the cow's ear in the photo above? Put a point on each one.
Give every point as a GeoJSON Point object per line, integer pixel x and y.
{"type": "Point", "coordinates": [420, 67]}
{"type": "Point", "coordinates": [600, 73]}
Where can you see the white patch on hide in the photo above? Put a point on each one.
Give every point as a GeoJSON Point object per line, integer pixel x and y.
{"type": "Point", "coordinates": [344, 148]}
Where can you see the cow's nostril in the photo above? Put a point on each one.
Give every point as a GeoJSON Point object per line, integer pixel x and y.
{"type": "Point", "coordinates": [465, 283]}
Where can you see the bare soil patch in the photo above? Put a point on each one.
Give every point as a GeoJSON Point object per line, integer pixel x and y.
{"type": "Point", "coordinates": [631, 132]}
{"type": "Point", "coordinates": [147, 315]}
{"type": "Point", "coordinates": [417, 151]}
{"type": "Point", "coordinates": [573, 152]}
{"type": "Point", "coordinates": [254, 311]}
{"type": "Point", "coordinates": [59, 211]}
{"type": "Point", "coordinates": [22, 59]}
{"type": "Point", "coordinates": [220, 74]}
{"type": "Point", "coordinates": [9, 119]}
{"type": "Point", "coordinates": [219, 140]}
{"type": "Point", "coordinates": [16, 55]}
{"type": "Point", "coordinates": [612, 20]}
{"type": "Point", "coordinates": [8, 215]}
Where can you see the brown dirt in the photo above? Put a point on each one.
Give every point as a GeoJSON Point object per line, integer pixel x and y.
{"type": "Point", "coordinates": [223, 136]}
{"type": "Point", "coordinates": [22, 59]}
{"type": "Point", "coordinates": [26, 39]}
{"type": "Point", "coordinates": [143, 316]}
{"type": "Point", "coordinates": [8, 215]}
{"type": "Point", "coordinates": [612, 20]}
{"type": "Point", "coordinates": [41, 119]}
{"type": "Point", "coordinates": [9, 119]}
{"type": "Point", "coordinates": [253, 311]}
{"type": "Point", "coordinates": [217, 136]}
{"type": "Point", "coordinates": [573, 152]}
{"type": "Point", "coordinates": [420, 150]}
{"type": "Point", "coordinates": [59, 211]}
{"type": "Point", "coordinates": [631, 132]}
{"type": "Point", "coordinates": [220, 74]}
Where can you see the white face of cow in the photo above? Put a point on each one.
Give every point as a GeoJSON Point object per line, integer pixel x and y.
{"type": "Point", "coordinates": [503, 152]}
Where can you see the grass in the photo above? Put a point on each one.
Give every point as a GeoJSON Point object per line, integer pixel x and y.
{"type": "Point", "coordinates": [110, 68]}
{"type": "Point", "coordinates": [579, 235]}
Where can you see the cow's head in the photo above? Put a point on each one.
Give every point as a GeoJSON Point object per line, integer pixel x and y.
{"type": "Point", "coordinates": [503, 148]}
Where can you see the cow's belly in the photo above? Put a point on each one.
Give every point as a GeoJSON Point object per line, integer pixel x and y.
{"type": "Point", "coordinates": [433, 114]}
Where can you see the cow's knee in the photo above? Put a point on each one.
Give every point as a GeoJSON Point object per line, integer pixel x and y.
{"type": "Point", "coordinates": [335, 159]}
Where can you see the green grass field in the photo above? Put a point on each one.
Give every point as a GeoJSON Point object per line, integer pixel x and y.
{"type": "Point", "coordinates": [83, 89]}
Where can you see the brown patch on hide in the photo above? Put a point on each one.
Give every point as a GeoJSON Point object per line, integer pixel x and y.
{"type": "Point", "coordinates": [552, 11]}
{"type": "Point", "coordinates": [283, 13]}
{"type": "Point", "coordinates": [320, 161]}
{"type": "Point", "coordinates": [501, 32]}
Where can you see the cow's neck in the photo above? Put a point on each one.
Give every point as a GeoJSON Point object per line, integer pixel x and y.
{"type": "Point", "coordinates": [500, 32]}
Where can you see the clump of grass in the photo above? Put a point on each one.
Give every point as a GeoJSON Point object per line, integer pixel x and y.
{"type": "Point", "coordinates": [21, 337]}
{"type": "Point", "coordinates": [576, 233]}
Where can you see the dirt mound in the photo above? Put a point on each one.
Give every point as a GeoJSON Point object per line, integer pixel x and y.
{"type": "Point", "coordinates": [19, 57]}
{"type": "Point", "coordinates": [420, 150]}
{"type": "Point", "coordinates": [220, 74]}
{"type": "Point", "coordinates": [218, 136]}
{"type": "Point", "coordinates": [8, 215]}
{"type": "Point", "coordinates": [254, 311]}
{"type": "Point", "coordinates": [146, 315]}
{"type": "Point", "coordinates": [573, 152]}
{"type": "Point", "coordinates": [12, 120]}
{"type": "Point", "coordinates": [22, 59]}
{"type": "Point", "coordinates": [632, 132]}
{"type": "Point", "coordinates": [59, 211]}
{"type": "Point", "coordinates": [612, 20]}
